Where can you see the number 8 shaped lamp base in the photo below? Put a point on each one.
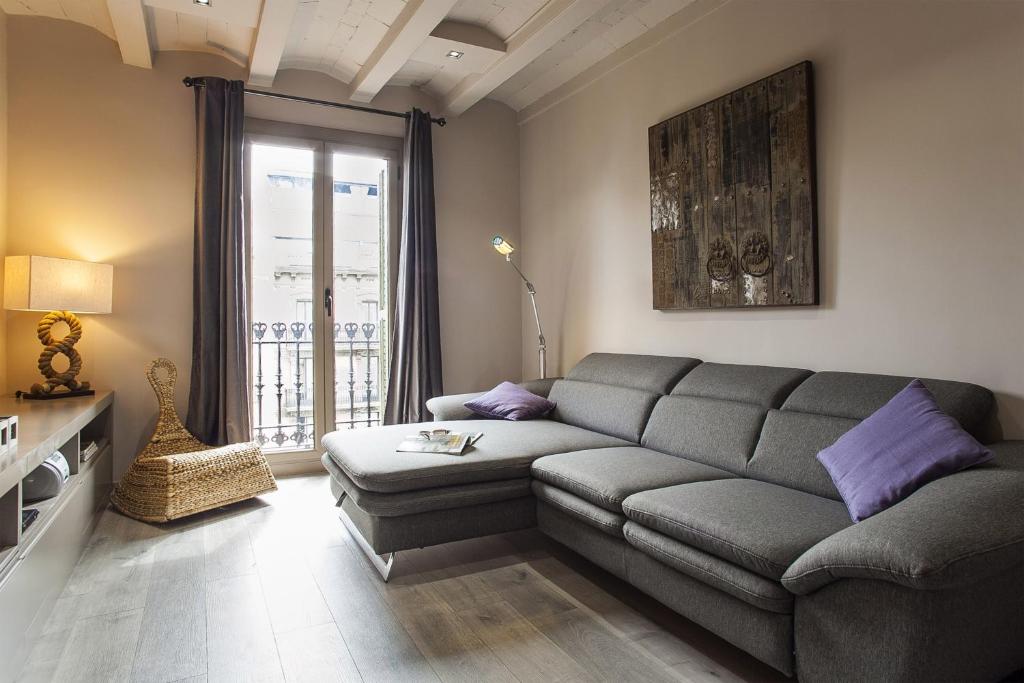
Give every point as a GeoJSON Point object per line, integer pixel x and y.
{"type": "Point", "coordinates": [34, 283]}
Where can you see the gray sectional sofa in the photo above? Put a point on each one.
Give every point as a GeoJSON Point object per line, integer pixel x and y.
{"type": "Point", "coordinates": [698, 484]}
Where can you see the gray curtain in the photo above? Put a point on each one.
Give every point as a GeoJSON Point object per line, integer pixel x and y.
{"type": "Point", "coordinates": [415, 373]}
{"type": "Point", "coordinates": [218, 400]}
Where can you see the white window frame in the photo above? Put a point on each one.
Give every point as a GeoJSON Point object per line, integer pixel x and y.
{"type": "Point", "coordinates": [324, 142]}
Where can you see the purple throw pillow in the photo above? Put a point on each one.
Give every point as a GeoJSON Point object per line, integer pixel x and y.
{"type": "Point", "coordinates": [509, 401]}
{"type": "Point", "coordinates": [896, 450]}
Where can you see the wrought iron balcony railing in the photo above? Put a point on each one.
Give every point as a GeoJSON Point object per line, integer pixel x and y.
{"type": "Point", "coordinates": [283, 410]}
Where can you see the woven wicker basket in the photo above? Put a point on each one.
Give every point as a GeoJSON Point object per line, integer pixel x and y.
{"type": "Point", "coordinates": [177, 475]}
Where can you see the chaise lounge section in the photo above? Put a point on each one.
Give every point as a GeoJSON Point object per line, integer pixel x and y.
{"type": "Point", "coordinates": [698, 484]}
{"type": "Point", "coordinates": [398, 501]}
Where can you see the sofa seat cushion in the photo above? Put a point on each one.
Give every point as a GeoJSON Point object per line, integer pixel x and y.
{"type": "Point", "coordinates": [757, 525]}
{"type": "Point", "coordinates": [609, 522]}
{"type": "Point", "coordinates": [404, 503]}
{"type": "Point", "coordinates": [505, 451]}
{"type": "Point", "coordinates": [607, 476]}
{"type": "Point", "coordinates": [737, 581]}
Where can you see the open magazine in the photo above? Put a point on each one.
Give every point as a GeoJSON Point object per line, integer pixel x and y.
{"type": "Point", "coordinates": [450, 443]}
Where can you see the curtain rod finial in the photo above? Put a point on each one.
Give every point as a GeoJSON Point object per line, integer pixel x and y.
{"type": "Point", "coordinates": [442, 122]}
{"type": "Point", "coordinates": [187, 81]}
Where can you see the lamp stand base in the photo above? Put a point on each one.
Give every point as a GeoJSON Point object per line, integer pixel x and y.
{"type": "Point", "coordinates": [57, 394]}
{"type": "Point", "coordinates": [55, 381]}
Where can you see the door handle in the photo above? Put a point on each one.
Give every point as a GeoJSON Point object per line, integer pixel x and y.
{"type": "Point", "coordinates": [329, 302]}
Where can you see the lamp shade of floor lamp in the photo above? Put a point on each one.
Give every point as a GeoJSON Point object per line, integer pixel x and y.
{"type": "Point", "coordinates": [505, 248]}
{"type": "Point", "coordinates": [61, 287]}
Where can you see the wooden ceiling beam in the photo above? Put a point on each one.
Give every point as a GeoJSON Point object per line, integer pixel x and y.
{"type": "Point", "coordinates": [131, 31]}
{"type": "Point", "coordinates": [552, 23]}
{"type": "Point", "coordinates": [405, 35]}
{"type": "Point", "coordinates": [270, 39]}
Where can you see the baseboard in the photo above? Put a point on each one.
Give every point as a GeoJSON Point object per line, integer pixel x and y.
{"type": "Point", "coordinates": [294, 467]}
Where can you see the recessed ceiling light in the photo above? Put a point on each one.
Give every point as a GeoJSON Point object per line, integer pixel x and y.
{"type": "Point", "coordinates": [452, 54]}
{"type": "Point", "coordinates": [204, 3]}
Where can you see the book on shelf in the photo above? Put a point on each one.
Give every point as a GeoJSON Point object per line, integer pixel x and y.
{"type": "Point", "coordinates": [28, 515]}
{"type": "Point", "coordinates": [91, 448]}
{"type": "Point", "coordinates": [453, 443]}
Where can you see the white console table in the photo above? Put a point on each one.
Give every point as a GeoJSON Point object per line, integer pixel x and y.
{"type": "Point", "coordinates": [35, 565]}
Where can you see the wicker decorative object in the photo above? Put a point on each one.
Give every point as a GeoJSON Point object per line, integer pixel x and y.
{"type": "Point", "coordinates": [65, 346]}
{"type": "Point", "coordinates": [177, 475]}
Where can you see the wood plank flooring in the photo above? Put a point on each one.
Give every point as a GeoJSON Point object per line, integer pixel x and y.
{"type": "Point", "coordinates": [275, 590]}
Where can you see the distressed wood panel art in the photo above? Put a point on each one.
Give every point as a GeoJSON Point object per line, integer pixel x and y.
{"type": "Point", "coordinates": [733, 205]}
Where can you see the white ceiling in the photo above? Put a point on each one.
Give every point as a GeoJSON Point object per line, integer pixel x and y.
{"type": "Point", "coordinates": [515, 51]}
{"type": "Point", "coordinates": [337, 36]}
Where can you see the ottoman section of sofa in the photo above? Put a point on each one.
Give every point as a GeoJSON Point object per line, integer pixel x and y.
{"type": "Point", "coordinates": [397, 501]}
{"type": "Point", "coordinates": [505, 451]}
{"type": "Point", "coordinates": [405, 503]}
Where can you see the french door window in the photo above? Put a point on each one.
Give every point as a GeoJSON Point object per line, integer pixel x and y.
{"type": "Point", "coordinates": [321, 210]}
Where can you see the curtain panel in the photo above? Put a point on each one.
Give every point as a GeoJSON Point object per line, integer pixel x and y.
{"type": "Point", "coordinates": [218, 405]}
{"type": "Point", "coordinates": [415, 372]}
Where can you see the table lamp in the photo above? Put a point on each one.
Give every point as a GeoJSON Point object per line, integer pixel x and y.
{"type": "Point", "coordinates": [59, 286]}
{"type": "Point", "coordinates": [505, 248]}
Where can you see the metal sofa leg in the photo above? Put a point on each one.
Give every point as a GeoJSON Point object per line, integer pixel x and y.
{"type": "Point", "coordinates": [383, 566]}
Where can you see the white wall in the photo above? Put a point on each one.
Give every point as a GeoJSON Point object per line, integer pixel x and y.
{"type": "Point", "coordinates": [105, 158]}
{"type": "Point", "coordinates": [920, 110]}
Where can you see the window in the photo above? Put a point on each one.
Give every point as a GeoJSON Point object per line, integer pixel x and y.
{"type": "Point", "coordinates": [304, 309]}
{"type": "Point", "coordinates": [372, 309]}
{"type": "Point", "coordinates": [321, 207]}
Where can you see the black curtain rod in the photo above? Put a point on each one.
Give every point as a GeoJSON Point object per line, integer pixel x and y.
{"type": "Point", "coordinates": [189, 82]}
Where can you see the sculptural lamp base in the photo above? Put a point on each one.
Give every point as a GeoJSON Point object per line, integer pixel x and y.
{"type": "Point", "coordinates": [58, 384]}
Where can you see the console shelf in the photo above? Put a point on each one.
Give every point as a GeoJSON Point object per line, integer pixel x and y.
{"type": "Point", "coordinates": [35, 565]}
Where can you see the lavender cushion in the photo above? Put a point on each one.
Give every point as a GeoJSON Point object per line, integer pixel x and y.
{"type": "Point", "coordinates": [509, 401]}
{"type": "Point", "coordinates": [902, 446]}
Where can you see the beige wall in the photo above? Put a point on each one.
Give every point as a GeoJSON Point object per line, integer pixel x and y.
{"type": "Point", "coordinates": [476, 184]}
{"type": "Point", "coordinates": [105, 171]}
{"type": "Point", "coordinates": [3, 187]}
{"type": "Point", "coordinates": [920, 112]}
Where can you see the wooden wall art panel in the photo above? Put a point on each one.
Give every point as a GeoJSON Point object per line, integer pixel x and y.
{"type": "Point", "coordinates": [733, 205]}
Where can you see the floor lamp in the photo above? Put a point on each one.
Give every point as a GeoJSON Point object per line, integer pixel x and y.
{"type": "Point", "coordinates": [503, 247]}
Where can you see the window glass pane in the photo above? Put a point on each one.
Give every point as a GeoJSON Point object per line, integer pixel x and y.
{"type": "Point", "coordinates": [359, 220]}
{"type": "Point", "coordinates": [281, 191]}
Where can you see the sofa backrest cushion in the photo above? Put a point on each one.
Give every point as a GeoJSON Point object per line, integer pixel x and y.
{"type": "Point", "coordinates": [760, 385]}
{"type": "Point", "coordinates": [654, 374]}
{"type": "Point", "coordinates": [614, 393]}
{"type": "Point", "coordinates": [828, 404]}
{"type": "Point", "coordinates": [786, 451]}
{"type": "Point", "coordinates": [714, 414]}
{"type": "Point", "coordinates": [611, 410]}
{"type": "Point", "coordinates": [856, 395]}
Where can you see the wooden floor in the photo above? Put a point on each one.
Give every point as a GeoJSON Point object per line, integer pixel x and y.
{"type": "Point", "coordinates": [275, 589]}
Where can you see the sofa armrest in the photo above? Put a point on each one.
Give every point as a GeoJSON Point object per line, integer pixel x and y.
{"type": "Point", "coordinates": [541, 387]}
{"type": "Point", "coordinates": [452, 408]}
{"type": "Point", "coordinates": [953, 531]}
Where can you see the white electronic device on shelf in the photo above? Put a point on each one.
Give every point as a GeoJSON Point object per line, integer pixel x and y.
{"type": "Point", "coordinates": [47, 480]}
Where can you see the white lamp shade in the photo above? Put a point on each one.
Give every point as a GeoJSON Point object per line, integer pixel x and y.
{"type": "Point", "coordinates": [44, 283]}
